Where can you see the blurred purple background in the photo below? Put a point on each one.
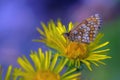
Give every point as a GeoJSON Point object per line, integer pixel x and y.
{"type": "Point", "coordinates": [19, 19]}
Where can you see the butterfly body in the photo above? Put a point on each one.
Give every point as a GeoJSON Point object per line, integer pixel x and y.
{"type": "Point", "coordinates": [86, 31]}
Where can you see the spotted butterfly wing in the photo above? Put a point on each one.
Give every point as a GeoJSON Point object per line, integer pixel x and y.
{"type": "Point", "coordinates": [86, 31]}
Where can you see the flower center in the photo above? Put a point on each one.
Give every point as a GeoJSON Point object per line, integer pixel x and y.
{"type": "Point", "coordinates": [46, 75]}
{"type": "Point", "coordinates": [76, 50]}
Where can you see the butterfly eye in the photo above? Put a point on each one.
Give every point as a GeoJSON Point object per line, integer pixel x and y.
{"type": "Point", "coordinates": [66, 34]}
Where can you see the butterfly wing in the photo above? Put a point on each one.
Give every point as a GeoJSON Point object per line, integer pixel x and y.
{"type": "Point", "coordinates": [86, 31]}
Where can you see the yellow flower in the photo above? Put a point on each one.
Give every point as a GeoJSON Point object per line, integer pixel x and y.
{"type": "Point", "coordinates": [45, 67]}
{"type": "Point", "coordinates": [1, 72]}
{"type": "Point", "coordinates": [8, 75]}
{"type": "Point", "coordinates": [52, 36]}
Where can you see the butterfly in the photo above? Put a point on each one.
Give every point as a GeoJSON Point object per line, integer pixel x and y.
{"type": "Point", "coordinates": [86, 31]}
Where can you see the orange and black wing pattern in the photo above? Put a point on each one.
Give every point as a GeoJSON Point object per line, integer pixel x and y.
{"type": "Point", "coordinates": [87, 30]}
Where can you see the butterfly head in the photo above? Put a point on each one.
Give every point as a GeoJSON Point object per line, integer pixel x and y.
{"type": "Point", "coordinates": [66, 34]}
